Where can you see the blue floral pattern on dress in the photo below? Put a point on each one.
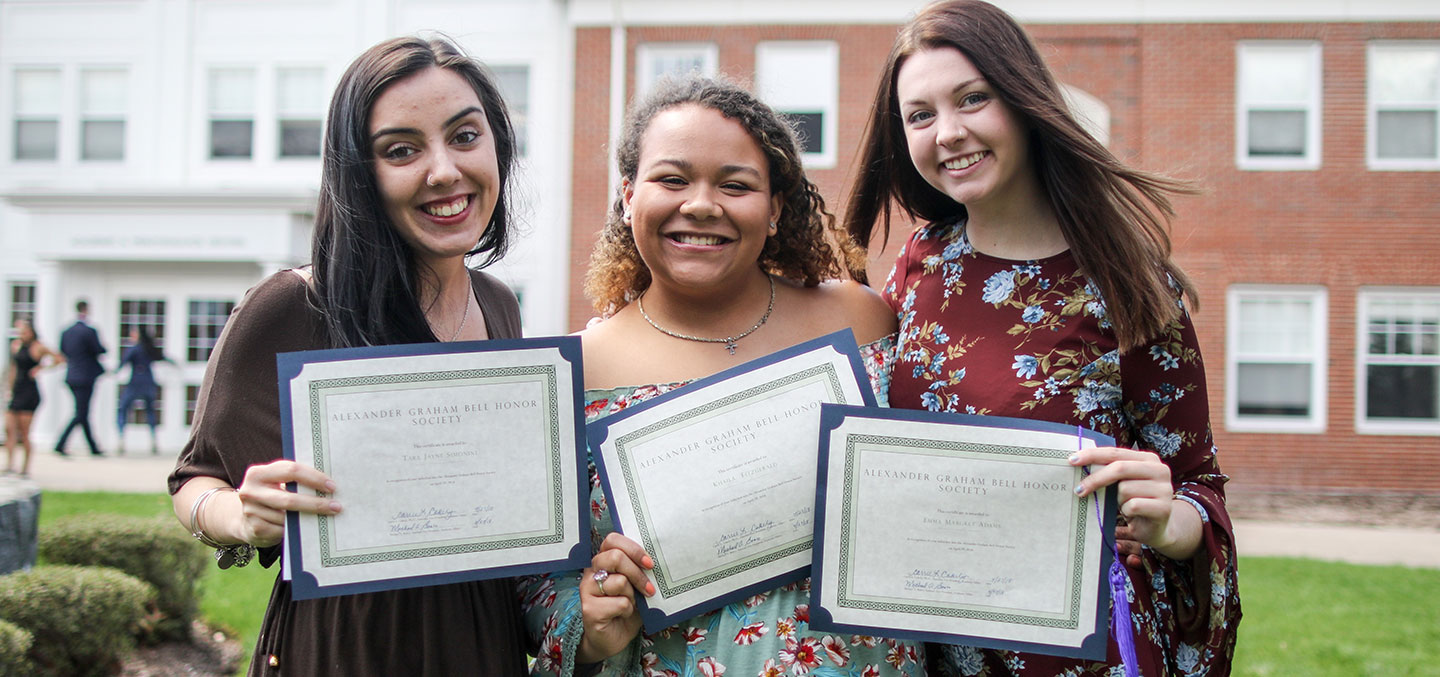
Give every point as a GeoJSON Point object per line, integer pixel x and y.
{"type": "Point", "coordinates": [1033, 339]}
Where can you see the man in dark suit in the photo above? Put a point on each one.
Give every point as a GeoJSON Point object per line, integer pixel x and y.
{"type": "Point", "coordinates": [81, 345]}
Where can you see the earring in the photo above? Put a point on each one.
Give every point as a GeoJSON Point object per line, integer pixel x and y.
{"type": "Point", "coordinates": [774, 227]}
{"type": "Point", "coordinates": [625, 217]}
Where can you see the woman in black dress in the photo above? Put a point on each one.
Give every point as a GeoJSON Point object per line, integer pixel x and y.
{"type": "Point", "coordinates": [27, 357]}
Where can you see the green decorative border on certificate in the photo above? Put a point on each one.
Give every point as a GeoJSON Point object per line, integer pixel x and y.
{"type": "Point", "coordinates": [546, 373]}
{"type": "Point", "coordinates": [1068, 621]}
{"type": "Point", "coordinates": [647, 538]}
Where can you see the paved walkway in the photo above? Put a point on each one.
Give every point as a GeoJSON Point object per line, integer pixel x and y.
{"type": "Point", "coordinates": [144, 472]}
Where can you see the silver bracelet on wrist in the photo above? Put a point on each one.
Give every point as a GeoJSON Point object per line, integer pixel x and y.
{"type": "Point", "coordinates": [226, 554]}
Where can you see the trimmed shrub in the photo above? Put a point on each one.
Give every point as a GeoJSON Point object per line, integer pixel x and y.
{"type": "Point", "coordinates": [82, 619]}
{"type": "Point", "coordinates": [152, 550]}
{"type": "Point", "coordinates": [15, 644]}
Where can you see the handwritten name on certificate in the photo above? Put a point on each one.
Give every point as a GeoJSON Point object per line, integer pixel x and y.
{"type": "Point", "coordinates": [453, 462]}
{"type": "Point", "coordinates": [959, 529]}
{"type": "Point", "coordinates": [717, 480]}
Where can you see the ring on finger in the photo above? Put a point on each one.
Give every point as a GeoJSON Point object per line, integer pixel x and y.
{"type": "Point", "coordinates": [600, 577]}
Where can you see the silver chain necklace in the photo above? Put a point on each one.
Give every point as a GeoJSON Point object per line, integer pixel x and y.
{"type": "Point", "coordinates": [464, 317]}
{"type": "Point", "coordinates": [729, 341]}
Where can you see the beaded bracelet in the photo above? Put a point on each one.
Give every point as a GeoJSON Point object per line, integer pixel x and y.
{"type": "Point", "coordinates": [226, 554]}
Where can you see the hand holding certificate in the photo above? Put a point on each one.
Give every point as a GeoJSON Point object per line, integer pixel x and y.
{"type": "Point", "coordinates": [716, 481]}
{"type": "Point", "coordinates": [959, 529]}
{"type": "Point", "coordinates": [454, 461]}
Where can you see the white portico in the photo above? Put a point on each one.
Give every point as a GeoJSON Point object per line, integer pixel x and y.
{"type": "Point", "coordinates": [173, 263]}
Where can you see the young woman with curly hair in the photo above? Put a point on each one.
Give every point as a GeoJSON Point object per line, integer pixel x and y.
{"type": "Point", "coordinates": [718, 250]}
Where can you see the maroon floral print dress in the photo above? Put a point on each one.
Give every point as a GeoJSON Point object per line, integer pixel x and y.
{"type": "Point", "coordinates": [1031, 339]}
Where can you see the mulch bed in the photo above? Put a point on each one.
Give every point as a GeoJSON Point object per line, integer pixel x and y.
{"type": "Point", "coordinates": [210, 654]}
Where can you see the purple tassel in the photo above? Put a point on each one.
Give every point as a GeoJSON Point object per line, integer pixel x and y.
{"type": "Point", "coordinates": [1121, 627]}
{"type": "Point", "coordinates": [1120, 624]}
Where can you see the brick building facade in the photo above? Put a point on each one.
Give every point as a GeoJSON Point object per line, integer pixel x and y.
{"type": "Point", "coordinates": [1316, 243]}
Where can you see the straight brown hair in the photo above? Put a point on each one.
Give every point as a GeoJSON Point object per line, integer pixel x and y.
{"type": "Point", "coordinates": [1115, 218]}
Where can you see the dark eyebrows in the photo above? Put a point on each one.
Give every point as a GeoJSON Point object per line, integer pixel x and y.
{"type": "Point", "coordinates": [411, 130]}
{"type": "Point", "coordinates": [456, 117]}
{"type": "Point", "coordinates": [958, 88]}
{"type": "Point", "coordinates": [685, 165]}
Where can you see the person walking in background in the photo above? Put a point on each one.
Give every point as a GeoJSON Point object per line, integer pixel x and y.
{"type": "Point", "coordinates": [81, 346]}
{"type": "Point", "coordinates": [140, 355]}
{"type": "Point", "coordinates": [27, 357]}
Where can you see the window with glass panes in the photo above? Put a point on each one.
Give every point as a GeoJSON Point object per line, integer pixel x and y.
{"type": "Point", "coordinates": [207, 318]}
{"type": "Point", "coordinates": [22, 304]}
{"type": "Point", "coordinates": [656, 60]}
{"type": "Point", "coordinates": [147, 313]}
{"type": "Point", "coordinates": [37, 114]}
{"type": "Point", "coordinates": [1276, 359]}
{"type": "Point", "coordinates": [300, 106]}
{"type": "Point", "coordinates": [1400, 362]}
{"type": "Point", "coordinates": [1278, 105]}
{"type": "Point", "coordinates": [801, 80]}
{"type": "Point", "coordinates": [1404, 96]}
{"type": "Point", "coordinates": [514, 83]}
{"type": "Point", "coordinates": [103, 100]}
{"type": "Point", "coordinates": [231, 103]}
{"type": "Point", "coordinates": [192, 398]}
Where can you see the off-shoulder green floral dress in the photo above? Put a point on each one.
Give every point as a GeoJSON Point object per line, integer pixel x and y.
{"type": "Point", "coordinates": [767, 635]}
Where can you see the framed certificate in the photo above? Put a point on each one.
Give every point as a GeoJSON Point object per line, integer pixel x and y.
{"type": "Point", "coordinates": [453, 461]}
{"type": "Point", "coordinates": [960, 529]}
{"type": "Point", "coordinates": [717, 480]}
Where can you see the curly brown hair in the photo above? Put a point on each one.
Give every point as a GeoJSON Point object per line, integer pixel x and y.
{"type": "Point", "coordinates": [801, 249]}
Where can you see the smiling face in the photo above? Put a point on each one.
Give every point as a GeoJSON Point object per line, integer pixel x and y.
{"type": "Point", "coordinates": [434, 158]}
{"type": "Point", "coordinates": [964, 140]}
{"type": "Point", "coordinates": [700, 204]}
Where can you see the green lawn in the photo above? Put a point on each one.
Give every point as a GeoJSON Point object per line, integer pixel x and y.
{"type": "Point", "coordinates": [1302, 617]}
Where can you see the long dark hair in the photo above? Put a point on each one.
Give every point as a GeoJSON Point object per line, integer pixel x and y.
{"type": "Point", "coordinates": [147, 344]}
{"type": "Point", "coordinates": [366, 277]}
{"type": "Point", "coordinates": [798, 250]}
{"type": "Point", "coordinates": [1115, 218]}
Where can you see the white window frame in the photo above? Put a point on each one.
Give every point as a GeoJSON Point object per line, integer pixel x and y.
{"type": "Point", "coordinates": [645, 53]}
{"type": "Point", "coordinates": [1372, 111]}
{"type": "Point", "coordinates": [15, 116]}
{"type": "Point", "coordinates": [1363, 424]}
{"type": "Point", "coordinates": [519, 116]}
{"type": "Point", "coordinates": [1088, 110]}
{"type": "Point", "coordinates": [84, 114]}
{"type": "Point", "coordinates": [211, 115]}
{"type": "Point", "coordinates": [827, 87]}
{"type": "Point", "coordinates": [1313, 118]}
{"type": "Point", "coordinates": [12, 313]}
{"type": "Point", "coordinates": [281, 115]}
{"type": "Point", "coordinates": [1319, 308]}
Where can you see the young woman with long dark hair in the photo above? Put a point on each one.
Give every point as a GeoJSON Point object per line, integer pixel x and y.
{"type": "Point", "coordinates": [1039, 285]}
{"type": "Point", "coordinates": [417, 158]}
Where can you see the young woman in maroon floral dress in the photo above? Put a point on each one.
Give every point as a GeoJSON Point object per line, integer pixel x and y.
{"type": "Point", "coordinates": [1039, 285]}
